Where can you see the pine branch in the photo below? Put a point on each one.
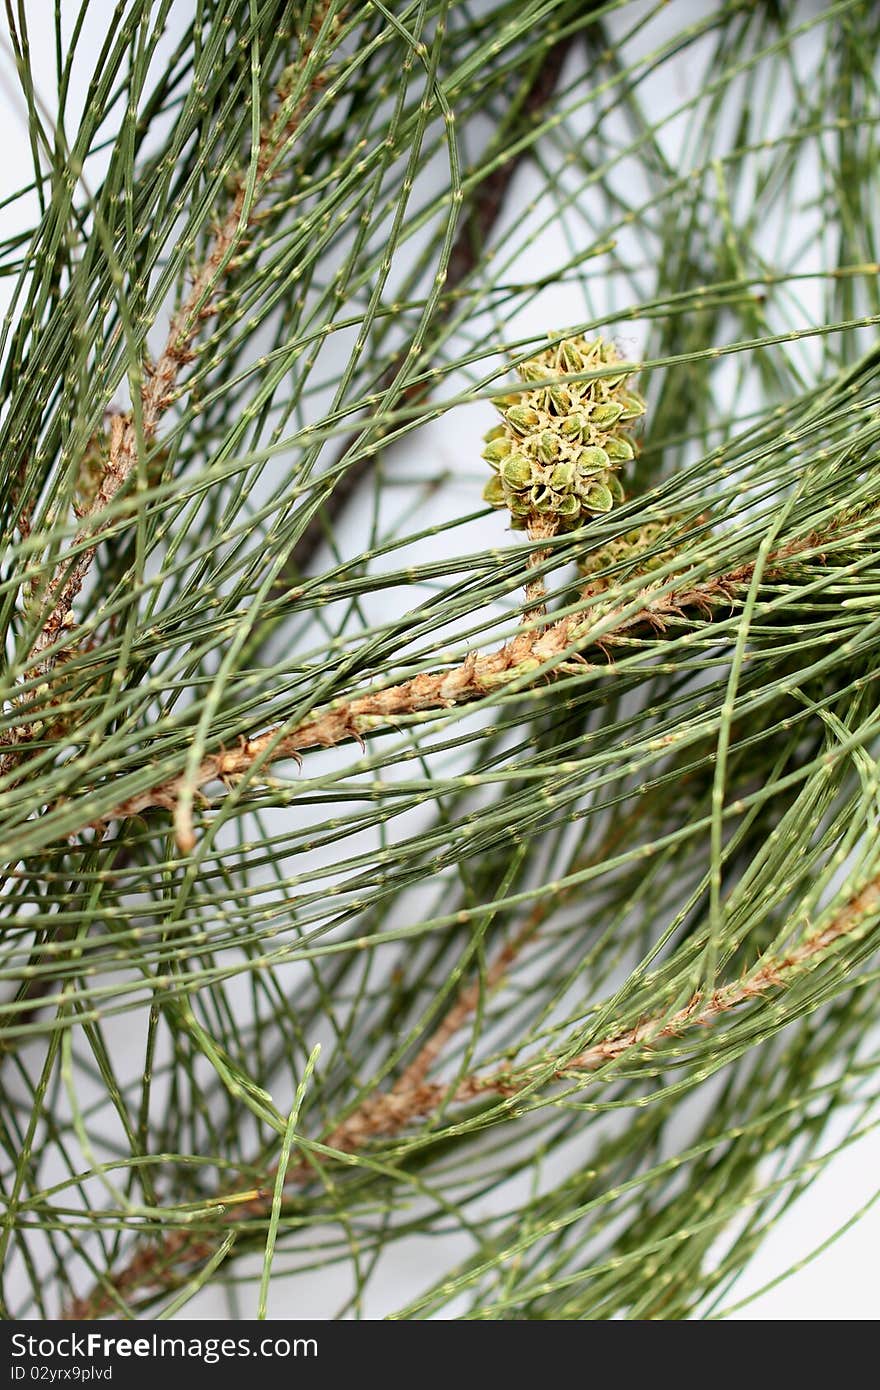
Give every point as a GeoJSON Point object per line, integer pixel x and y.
{"type": "Point", "coordinates": [415, 1098]}
{"type": "Point", "coordinates": [388, 1114]}
{"type": "Point", "coordinates": [589, 868]}
{"type": "Point", "coordinates": [539, 653]}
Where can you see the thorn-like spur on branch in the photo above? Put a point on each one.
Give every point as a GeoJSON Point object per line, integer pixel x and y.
{"type": "Point", "coordinates": [161, 380]}
{"type": "Point", "coordinates": [158, 1267]}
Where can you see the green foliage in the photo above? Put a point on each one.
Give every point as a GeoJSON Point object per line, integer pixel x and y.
{"type": "Point", "coordinates": [589, 948]}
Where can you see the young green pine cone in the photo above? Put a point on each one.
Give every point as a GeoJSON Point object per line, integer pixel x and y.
{"type": "Point", "coordinates": [556, 455]}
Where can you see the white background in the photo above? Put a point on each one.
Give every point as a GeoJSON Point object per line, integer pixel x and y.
{"type": "Point", "coordinates": [841, 1282]}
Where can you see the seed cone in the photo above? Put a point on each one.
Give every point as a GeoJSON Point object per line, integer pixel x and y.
{"type": "Point", "coordinates": [556, 455]}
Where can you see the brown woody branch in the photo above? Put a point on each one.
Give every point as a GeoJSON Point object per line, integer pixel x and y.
{"type": "Point", "coordinates": [479, 675]}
